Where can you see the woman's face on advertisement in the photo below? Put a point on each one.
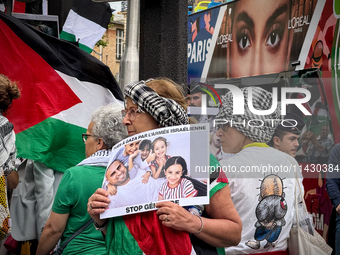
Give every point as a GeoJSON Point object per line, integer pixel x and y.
{"type": "Point", "coordinates": [260, 37]}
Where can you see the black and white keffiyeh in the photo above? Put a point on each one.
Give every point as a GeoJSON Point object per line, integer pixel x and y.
{"type": "Point", "coordinates": [7, 146]}
{"type": "Point", "coordinates": [262, 127]}
{"type": "Point", "coordinates": [99, 158]}
{"type": "Point", "coordinates": [167, 112]}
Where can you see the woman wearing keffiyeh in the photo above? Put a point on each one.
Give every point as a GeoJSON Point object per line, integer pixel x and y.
{"type": "Point", "coordinates": [78, 183]}
{"type": "Point", "coordinates": [8, 91]}
{"type": "Point", "coordinates": [150, 105]}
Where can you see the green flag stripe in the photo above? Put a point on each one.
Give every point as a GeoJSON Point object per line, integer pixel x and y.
{"type": "Point", "coordinates": [72, 38]}
{"type": "Point", "coordinates": [85, 48]}
{"type": "Point", "coordinates": [67, 36]}
{"type": "Point", "coordinates": [123, 243]}
{"type": "Point", "coordinates": [56, 143]}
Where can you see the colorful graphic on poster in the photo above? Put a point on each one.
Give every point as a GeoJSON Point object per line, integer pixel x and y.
{"type": "Point", "coordinates": [270, 212]}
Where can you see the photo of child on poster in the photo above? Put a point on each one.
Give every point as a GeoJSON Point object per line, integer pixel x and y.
{"type": "Point", "coordinates": [154, 166]}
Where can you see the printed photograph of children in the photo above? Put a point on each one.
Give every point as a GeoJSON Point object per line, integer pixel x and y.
{"type": "Point", "coordinates": [130, 156]}
{"type": "Point", "coordinates": [148, 170]}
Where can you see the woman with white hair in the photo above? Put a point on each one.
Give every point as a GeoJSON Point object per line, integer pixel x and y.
{"type": "Point", "coordinates": [79, 183]}
{"type": "Point", "coordinates": [262, 179]}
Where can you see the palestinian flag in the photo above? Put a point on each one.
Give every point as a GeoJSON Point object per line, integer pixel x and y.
{"type": "Point", "coordinates": [86, 23]}
{"type": "Point", "coordinates": [61, 85]}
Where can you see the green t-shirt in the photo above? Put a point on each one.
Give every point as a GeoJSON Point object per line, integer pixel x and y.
{"type": "Point", "coordinates": [76, 186]}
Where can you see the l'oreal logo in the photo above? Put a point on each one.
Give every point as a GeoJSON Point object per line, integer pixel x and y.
{"type": "Point", "coordinates": [238, 100]}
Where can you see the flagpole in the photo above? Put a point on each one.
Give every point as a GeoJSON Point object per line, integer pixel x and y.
{"type": "Point", "coordinates": [129, 64]}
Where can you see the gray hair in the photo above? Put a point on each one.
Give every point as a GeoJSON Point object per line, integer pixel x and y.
{"type": "Point", "coordinates": [108, 124]}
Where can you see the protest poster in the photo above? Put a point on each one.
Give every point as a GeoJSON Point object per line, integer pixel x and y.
{"type": "Point", "coordinates": [158, 165]}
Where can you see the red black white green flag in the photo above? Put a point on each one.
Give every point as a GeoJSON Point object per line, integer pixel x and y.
{"type": "Point", "coordinates": [86, 23]}
{"type": "Point", "coordinates": [61, 85]}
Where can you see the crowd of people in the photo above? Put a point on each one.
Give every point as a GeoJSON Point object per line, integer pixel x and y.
{"type": "Point", "coordinates": [247, 213]}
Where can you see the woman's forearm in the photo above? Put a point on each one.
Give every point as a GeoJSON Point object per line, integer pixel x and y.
{"type": "Point", "coordinates": [219, 232]}
{"type": "Point", "coordinates": [13, 180]}
{"type": "Point", "coordinates": [52, 232]}
{"type": "Point", "coordinates": [224, 227]}
{"type": "Point", "coordinates": [48, 241]}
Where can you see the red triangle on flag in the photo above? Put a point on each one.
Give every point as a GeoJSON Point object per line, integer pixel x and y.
{"type": "Point", "coordinates": [43, 92]}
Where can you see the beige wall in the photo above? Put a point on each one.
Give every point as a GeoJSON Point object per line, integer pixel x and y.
{"type": "Point", "coordinates": [109, 52]}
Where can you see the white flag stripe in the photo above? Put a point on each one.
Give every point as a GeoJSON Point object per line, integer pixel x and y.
{"type": "Point", "coordinates": [92, 96]}
{"type": "Point", "coordinates": [86, 31]}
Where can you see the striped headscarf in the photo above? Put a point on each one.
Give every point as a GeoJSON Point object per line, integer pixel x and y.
{"type": "Point", "coordinates": [261, 100]}
{"type": "Point", "coordinates": [167, 112]}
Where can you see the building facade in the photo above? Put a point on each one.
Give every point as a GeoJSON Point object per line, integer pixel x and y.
{"type": "Point", "coordinates": [115, 39]}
